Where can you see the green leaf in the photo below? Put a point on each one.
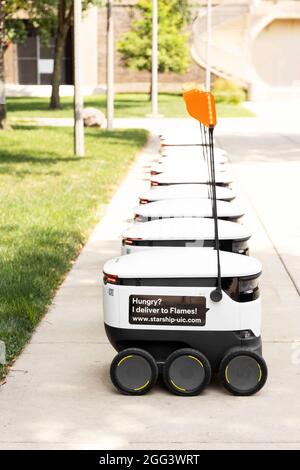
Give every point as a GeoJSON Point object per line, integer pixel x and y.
{"type": "Point", "coordinates": [136, 45]}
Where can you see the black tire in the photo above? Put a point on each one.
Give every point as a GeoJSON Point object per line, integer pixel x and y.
{"type": "Point", "coordinates": [187, 372]}
{"type": "Point", "coordinates": [243, 372]}
{"type": "Point", "coordinates": [133, 371]}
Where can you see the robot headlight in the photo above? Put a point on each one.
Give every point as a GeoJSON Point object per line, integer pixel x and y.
{"type": "Point", "coordinates": [248, 289]}
{"type": "Point", "coordinates": [240, 247]}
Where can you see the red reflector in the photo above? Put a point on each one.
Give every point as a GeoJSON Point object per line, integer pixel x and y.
{"type": "Point", "coordinates": [110, 278]}
{"type": "Point", "coordinates": [144, 201]}
{"type": "Point", "coordinates": [154, 183]}
{"type": "Point", "coordinates": [153, 172]}
{"type": "Point", "coordinates": [130, 241]}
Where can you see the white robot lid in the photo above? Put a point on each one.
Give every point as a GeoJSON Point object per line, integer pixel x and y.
{"type": "Point", "coordinates": [189, 177]}
{"type": "Point", "coordinates": [178, 138]}
{"type": "Point", "coordinates": [190, 150]}
{"type": "Point", "coordinates": [183, 191]}
{"type": "Point", "coordinates": [187, 208]}
{"type": "Point", "coordinates": [186, 229]}
{"type": "Point", "coordinates": [181, 263]}
{"type": "Point", "coordinates": [186, 157]}
{"type": "Point", "coordinates": [185, 166]}
{"type": "Point", "coordinates": [186, 138]}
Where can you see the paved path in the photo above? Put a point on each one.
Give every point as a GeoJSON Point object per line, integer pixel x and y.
{"type": "Point", "coordinates": [58, 394]}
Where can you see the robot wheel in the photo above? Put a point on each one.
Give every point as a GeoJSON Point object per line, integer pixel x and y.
{"type": "Point", "coordinates": [186, 372]}
{"type": "Point", "coordinates": [243, 372]}
{"type": "Point", "coordinates": [133, 371]}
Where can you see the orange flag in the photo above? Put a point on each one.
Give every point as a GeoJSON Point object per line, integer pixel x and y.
{"type": "Point", "coordinates": [201, 106]}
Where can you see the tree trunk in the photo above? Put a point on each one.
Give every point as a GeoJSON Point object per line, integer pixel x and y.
{"type": "Point", "coordinates": [3, 118]}
{"type": "Point", "coordinates": [63, 25]}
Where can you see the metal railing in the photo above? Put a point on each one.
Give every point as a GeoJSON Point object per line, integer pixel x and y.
{"type": "Point", "coordinates": [228, 60]}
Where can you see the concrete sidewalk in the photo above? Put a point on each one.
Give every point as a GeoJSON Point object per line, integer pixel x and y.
{"type": "Point", "coordinates": [58, 394]}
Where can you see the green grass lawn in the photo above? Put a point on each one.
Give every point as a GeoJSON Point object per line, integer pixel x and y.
{"type": "Point", "coordinates": [50, 201]}
{"type": "Point", "coordinates": [127, 105]}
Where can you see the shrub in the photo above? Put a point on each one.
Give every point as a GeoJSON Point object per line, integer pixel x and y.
{"type": "Point", "coordinates": [229, 92]}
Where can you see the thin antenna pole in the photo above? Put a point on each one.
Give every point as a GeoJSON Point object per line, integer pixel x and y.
{"type": "Point", "coordinates": [208, 46]}
{"type": "Point", "coordinates": [215, 295]}
{"type": "Point", "coordinates": [78, 97]}
{"type": "Point", "coordinates": [110, 66]}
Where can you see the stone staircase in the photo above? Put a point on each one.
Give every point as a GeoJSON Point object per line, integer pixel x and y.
{"type": "Point", "coordinates": [235, 28]}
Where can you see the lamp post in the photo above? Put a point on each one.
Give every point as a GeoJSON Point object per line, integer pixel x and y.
{"type": "Point", "coordinates": [110, 66]}
{"type": "Point", "coordinates": [78, 97]}
{"type": "Point", "coordinates": [154, 71]}
{"type": "Point", "coordinates": [208, 46]}
{"type": "Point", "coordinates": [154, 78]}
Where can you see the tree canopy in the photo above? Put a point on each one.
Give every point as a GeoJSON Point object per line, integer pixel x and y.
{"type": "Point", "coordinates": [136, 45]}
{"type": "Point", "coordinates": [50, 18]}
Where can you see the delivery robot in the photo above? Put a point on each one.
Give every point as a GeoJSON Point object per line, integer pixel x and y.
{"type": "Point", "coordinates": [185, 313]}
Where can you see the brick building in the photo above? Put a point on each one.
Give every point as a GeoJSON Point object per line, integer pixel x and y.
{"type": "Point", "coordinates": [253, 42]}
{"type": "Point", "coordinates": [29, 65]}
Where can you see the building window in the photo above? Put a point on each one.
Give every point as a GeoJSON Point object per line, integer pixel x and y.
{"type": "Point", "coordinates": [35, 61]}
